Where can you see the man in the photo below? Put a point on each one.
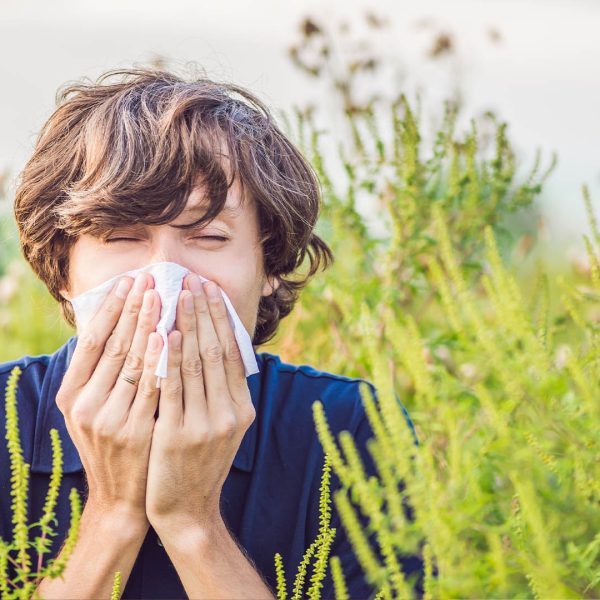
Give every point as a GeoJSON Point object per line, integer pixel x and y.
{"type": "Point", "coordinates": [189, 488]}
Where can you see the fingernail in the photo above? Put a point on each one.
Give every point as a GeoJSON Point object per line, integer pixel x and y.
{"type": "Point", "coordinates": [140, 282]}
{"type": "Point", "coordinates": [188, 303]}
{"type": "Point", "coordinates": [123, 287]}
{"type": "Point", "coordinates": [212, 291]}
{"type": "Point", "coordinates": [148, 302]}
{"type": "Point", "coordinates": [195, 285]}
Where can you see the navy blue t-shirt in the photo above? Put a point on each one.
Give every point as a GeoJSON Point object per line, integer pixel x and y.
{"type": "Point", "coordinates": [270, 499]}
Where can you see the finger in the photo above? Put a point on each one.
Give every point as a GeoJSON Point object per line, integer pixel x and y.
{"type": "Point", "coordinates": [170, 407]}
{"type": "Point", "coordinates": [146, 397]}
{"type": "Point", "coordinates": [119, 343]}
{"type": "Point", "coordinates": [232, 357]}
{"type": "Point", "coordinates": [124, 392]}
{"type": "Point", "coordinates": [91, 341]}
{"type": "Point", "coordinates": [194, 398]}
{"type": "Point", "coordinates": [211, 353]}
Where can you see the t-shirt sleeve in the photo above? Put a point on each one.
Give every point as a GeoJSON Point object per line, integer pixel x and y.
{"type": "Point", "coordinates": [356, 582]}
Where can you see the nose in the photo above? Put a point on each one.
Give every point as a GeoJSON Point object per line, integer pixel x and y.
{"type": "Point", "coordinates": [165, 248]}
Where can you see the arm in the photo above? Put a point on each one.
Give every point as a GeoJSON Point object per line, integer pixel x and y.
{"type": "Point", "coordinates": [110, 422]}
{"type": "Point", "coordinates": [210, 564]}
{"type": "Point", "coordinates": [205, 409]}
{"type": "Point", "coordinates": [107, 542]}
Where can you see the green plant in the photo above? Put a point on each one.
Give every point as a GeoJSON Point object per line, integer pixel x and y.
{"type": "Point", "coordinates": [318, 551]}
{"type": "Point", "coordinates": [505, 484]}
{"type": "Point", "coordinates": [25, 581]}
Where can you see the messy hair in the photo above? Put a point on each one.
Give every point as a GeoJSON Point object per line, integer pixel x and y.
{"type": "Point", "coordinates": [130, 147]}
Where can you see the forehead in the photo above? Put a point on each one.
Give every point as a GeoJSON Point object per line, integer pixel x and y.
{"type": "Point", "coordinates": [197, 204]}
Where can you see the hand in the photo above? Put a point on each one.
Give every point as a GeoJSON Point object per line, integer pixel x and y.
{"type": "Point", "coordinates": [205, 409]}
{"type": "Point", "coordinates": [110, 420]}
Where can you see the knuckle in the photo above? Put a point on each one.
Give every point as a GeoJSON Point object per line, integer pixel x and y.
{"type": "Point", "coordinates": [174, 388]}
{"type": "Point", "coordinates": [115, 348]}
{"type": "Point", "coordinates": [61, 400]}
{"type": "Point", "coordinates": [104, 430]}
{"type": "Point", "coordinates": [134, 362]}
{"type": "Point", "coordinates": [199, 436]}
{"type": "Point", "coordinates": [213, 353]}
{"type": "Point", "coordinates": [89, 341]}
{"type": "Point", "coordinates": [192, 367]}
{"type": "Point", "coordinates": [219, 311]}
{"type": "Point", "coordinates": [248, 415]}
{"type": "Point", "coordinates": [132, 308]}
{"type": "Point", "coordinates": [120, 439]}
{"type": "Point", "coordinates": [151, 358]}
{"type": "Point", "coordinates": [203, 308]}
{"type": "Point", "coordinates": [146, 321]}
{"type": "Point", "coordinates": [80, 417]}
{"type": "Point", "coordinates": [232, 352]}
{"type": "Point", "coordinates": [147, 388]}
{"type": "Point", "coordinates": [226, 427]}
{"type": "Point", "coordinates": [112, 307]}
{"type": "Point", "coordinates": [189, 324]}
{"type": "Point", "coordinates": [134, 303]}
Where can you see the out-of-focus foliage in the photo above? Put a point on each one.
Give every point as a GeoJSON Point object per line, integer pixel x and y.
{"type": "Point", "coordinates": [30, 321]}
{"type": "Point", "coordinates": [499, 374]}
{"type": "Point", "coordinates": [381, 185]}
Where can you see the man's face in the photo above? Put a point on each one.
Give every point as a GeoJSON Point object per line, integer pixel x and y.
{"type": "Point", "coordinates": [233, 258]}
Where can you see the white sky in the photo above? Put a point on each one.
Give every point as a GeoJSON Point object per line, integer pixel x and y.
{"type": "Point", "coordinates": [544, 78]}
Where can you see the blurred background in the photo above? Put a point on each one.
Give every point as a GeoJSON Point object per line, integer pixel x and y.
{"type": "Point", "coordinates": [532, 63]}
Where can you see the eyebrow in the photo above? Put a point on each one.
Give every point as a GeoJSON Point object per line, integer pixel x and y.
{"type": "Point", "coordinates": [227, 213]}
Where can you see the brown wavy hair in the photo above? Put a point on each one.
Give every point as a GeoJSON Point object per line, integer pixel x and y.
{"type": "Point", "coordinates": [130, 146]}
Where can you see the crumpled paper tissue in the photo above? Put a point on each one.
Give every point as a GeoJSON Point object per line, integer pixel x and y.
{"type": "Point", "coordinates": [168, 281]}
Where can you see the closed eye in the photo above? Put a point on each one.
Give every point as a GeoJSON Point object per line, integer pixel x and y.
{"type": "Point", "coordinates": [201, 237]}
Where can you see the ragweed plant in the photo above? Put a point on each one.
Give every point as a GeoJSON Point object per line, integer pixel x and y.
{"type": "Point", "coordinates": [16, 555]}
{"type": "Point", "coordinates": [317, 552]}
{"type": "Point", "coordinates": [378, 217]}
{"type": "Point", "coordinates": [505, 483]}
{"type": "Point", "coordinates": [420, 301]}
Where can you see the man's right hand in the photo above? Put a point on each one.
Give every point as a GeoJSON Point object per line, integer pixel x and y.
{"type": "Point", "coordinates": [110, 420]}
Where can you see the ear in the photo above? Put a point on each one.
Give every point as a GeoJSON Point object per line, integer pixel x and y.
{"type": "Point", "coordinates": [271, 284]}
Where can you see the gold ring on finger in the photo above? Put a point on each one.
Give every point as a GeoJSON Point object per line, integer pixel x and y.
{"type": "Point", "coordinates": [129, 379]}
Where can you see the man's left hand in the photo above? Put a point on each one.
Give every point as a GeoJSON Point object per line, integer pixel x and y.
{"type": "Point", "coordinates": [205, 408]}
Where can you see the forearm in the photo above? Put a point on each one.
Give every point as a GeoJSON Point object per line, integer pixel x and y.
{"type": "Point", "coordinates": [211, 565]}
{"type": "Point", "coordinates": [106, 543]}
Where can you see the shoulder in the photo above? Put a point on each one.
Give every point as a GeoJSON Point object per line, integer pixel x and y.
{"type": "Point", "coordinates": [30, 372]}
{"type": "Point", "coordinates": [296, 387]}
{"type": "Point", "coordinates": [292, 389]}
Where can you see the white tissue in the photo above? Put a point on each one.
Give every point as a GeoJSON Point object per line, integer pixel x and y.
{"type": "Point", "coordinates": [168, 282]}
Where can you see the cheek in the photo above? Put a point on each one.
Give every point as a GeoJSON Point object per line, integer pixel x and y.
{"type": "Point", "coordinates": [81, 276]}
{"type": "Point", "coordinates": [244, 294]}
